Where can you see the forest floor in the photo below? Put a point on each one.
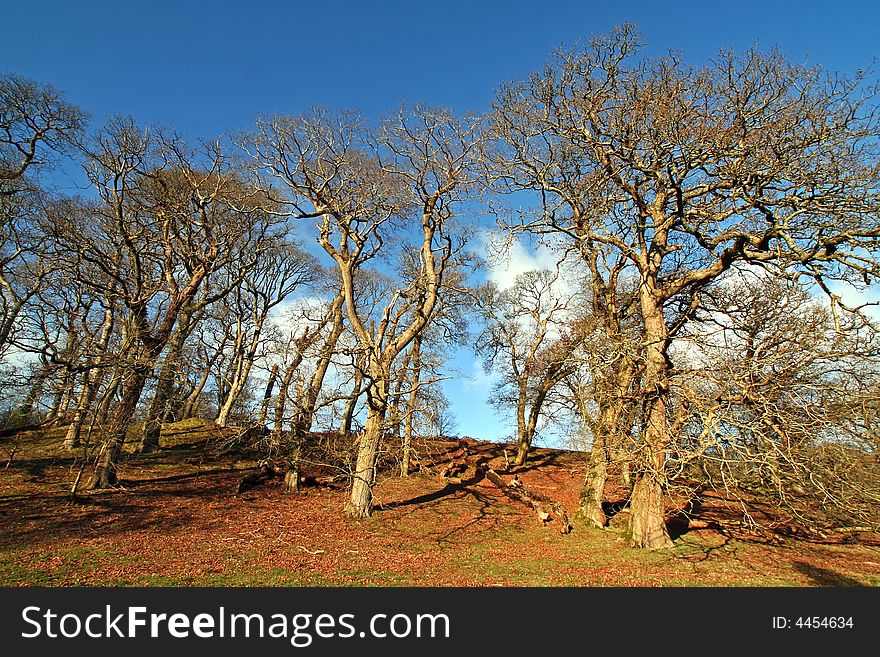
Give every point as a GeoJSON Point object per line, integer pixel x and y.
{"type": "Point", "coordinates": [177, 520]}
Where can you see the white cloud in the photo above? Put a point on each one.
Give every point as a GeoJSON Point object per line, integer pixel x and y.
{"type": "Point", "coordinates": [507, 260]}
{"type": "Point", "coordinates": [479, 379]}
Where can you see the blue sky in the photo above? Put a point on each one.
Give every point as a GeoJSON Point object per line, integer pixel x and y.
{"type": "Point", "coordinates": [208, 67]}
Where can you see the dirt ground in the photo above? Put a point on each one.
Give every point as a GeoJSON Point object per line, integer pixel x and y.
{"type": "Point", "coordinates": [176, 519]}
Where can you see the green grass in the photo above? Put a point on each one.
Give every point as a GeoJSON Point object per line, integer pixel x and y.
{"type": "Point", "coordinates": [19, 567]}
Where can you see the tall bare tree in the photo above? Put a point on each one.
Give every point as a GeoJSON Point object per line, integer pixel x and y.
{"type": "Point", "coordinates": [168, 217]}
{"type": "Point", "coordinates": [684, 171]}
{"type": "Point", "coordinates": [360, 185]}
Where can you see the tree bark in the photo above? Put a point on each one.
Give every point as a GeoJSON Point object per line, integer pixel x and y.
{"type": "Point", "coordinates": [164, 387]}
{"type": "Point", "coordinates": [105, 473]}
{"type": "Point", "coordinates": [647, 524]}
{"type": "Point", "coordinates": [647, 519]}
{"type": "Point", "coordinates": [395, 419]}
{"type": "Point", "coordinates": [242, 370]}
{"type": "Point", "coordinates": [593, 493]}
{"type": "Point", "coordinates": [614, 422]}
{"type": "Point", "coordinates": [351, 405]}
{"type": "Point", "coordinates": [281, 402]}
{"type": "Point", "coordinates": [406, 449]}
{"type": "Point", "coordinates": [267, 395]}
{"type": "Point", "coordinates": [360, 503]}
{"type": "Point", "coordinates": [71, 438]}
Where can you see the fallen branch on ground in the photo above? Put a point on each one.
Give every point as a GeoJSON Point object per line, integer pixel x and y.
{"type": "Point", "coordinates": [546, 508]}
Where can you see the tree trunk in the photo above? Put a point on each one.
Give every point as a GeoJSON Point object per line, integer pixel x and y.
{"type": "Point", "coordinates": [103, 412]}
{"type": "Point", "coordinates": [522, 441]}
{"type": "Point", "coordinates": [242, 372]}
{"type": "Point", "coordinates": [406, 450]}
{"type": "Point", "coordinates": [105, 473]}
{"type": "Point", "coordinates": [626, 475]}
{"type": "Point", "coordinates": [306, 414]}
{"type": "Point", "coordinates": [267, 395]}
{"type": "Point", "coordinates": [593, 493]}
{"type": "Point", "coordinates": [614, 422]}
{"type": "Point", "coordinates": [158, 408]}
{"type": "Point", "coordinates": [351, 405]}
{"type": "Point", "coordinates": [71, 439]}
{"type": "Point", "coordinates": [281, 403]}
{"type": "Point", "coordinates": [360, 504]}
{"type": "Point", "coordinates": [647, 525]}
{"type": "Point", "coordinates": [91, 381]}
{"type": "Point", "coordinates": [530, 422]}
{"type": "Point", "coordinates": [394, 416]}
{"type": "Point", "coordinates": [294, 469]}
{"type": "Point", "coordinates": [647, 521]}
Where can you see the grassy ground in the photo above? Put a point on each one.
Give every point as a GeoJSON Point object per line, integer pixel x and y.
{"type": "Point", "coordinates": [176, 520]}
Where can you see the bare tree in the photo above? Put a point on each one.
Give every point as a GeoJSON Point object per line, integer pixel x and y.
{"type": "Point", "coordinates": [167, 219]}
{"type": "Point", "coordinates": [772, 394]}
{"type": "Point", "coordinates": [525, 331]}
{"type": "Point", "coordinates": [683, 172]}
{"type": "Point", "coordinates": [36, 126]}
{"type": "Point", "coordinates": [279, 272]}
{"type": "Point", "coordinates": [410, 173]}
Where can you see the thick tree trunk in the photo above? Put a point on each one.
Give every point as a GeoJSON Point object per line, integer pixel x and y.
{"type": "Point", "coordinates": [647, 524]}
{"type": "Point", "coordinates": [360, 503]}
{"type": "Point", "coordinates": [105, 473]}
{"type": "Point", "coordinates": [614, 422]}
{"type": "Point", "coordinates": [647, 520]}
{"type": "Point", "coordinates": [593, 493]}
